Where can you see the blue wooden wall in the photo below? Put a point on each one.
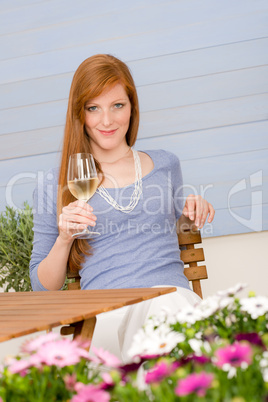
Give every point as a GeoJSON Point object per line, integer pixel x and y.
{"type": "Point", "coordinates": [201, 68]}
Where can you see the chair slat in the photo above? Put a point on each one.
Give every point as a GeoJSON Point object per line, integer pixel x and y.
{"type": "Point", "coordinates": [186, 238]}
{"type": "Point", "coordinates": [72, 274]}
{"type": "Point", "coordinates": [74, 285]}
{"type": "Point", "coordinates": [192, 255]}
{"type": "Point", "coordinates": [196, 273]}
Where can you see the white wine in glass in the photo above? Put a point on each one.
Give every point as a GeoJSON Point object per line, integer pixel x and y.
{"type": "Point", "coordinates": [82, 182]}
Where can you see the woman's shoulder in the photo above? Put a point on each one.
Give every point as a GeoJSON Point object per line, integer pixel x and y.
{"type": "Point", "coordinates": [162, 156]}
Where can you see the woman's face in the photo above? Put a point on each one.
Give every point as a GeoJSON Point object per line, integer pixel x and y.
{"type": "Point", "coordinates": [107, 118]}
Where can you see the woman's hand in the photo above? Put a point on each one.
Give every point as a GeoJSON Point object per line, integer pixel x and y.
{"type": "Point", "coordinates": [198, 209]}
{"type": "Point", "coordinates": [75, 217]}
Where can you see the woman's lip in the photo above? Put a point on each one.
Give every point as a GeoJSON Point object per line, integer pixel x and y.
{"type": "Point", "coordinates": [107, 132]}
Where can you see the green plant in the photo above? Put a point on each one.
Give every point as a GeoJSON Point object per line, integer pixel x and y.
{"type": "Point", "coordinates": [16, 238]}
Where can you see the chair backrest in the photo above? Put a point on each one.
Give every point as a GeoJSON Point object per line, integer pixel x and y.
{"type": "Point", "coordinates": [188, 236]}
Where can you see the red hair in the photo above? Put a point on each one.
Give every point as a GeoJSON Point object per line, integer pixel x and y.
{"type": "Point", "coordinates": [91, 78]}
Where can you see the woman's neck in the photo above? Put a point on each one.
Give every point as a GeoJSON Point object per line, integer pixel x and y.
{"type": "Point", "coordinates": [112, 155]}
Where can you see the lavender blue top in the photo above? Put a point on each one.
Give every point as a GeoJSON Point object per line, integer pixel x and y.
{"type": "Point", "coordinates": [138, 249]}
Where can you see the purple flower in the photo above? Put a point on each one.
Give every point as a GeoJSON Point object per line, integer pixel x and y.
{"type": "Point", "coordinates": [194, 383]}
{"type": "Point", "coordinates": [195, 359]}
{"type": "Point", "coordinates": [251, 337]}
{"type": "Point", "coordinates": [91, 393]}
{"type": "Point", "coordinates": [107, 381]}
{"type": "Point", "coordinates": [234, 355]}
{"type": "Point", "coordinates": [130, 367]}
{"type": "Point", "coordinates": [158, 373]}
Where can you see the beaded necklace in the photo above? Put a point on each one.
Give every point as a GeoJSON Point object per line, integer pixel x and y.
{"type": "Point", "coordinates": [136, 192]}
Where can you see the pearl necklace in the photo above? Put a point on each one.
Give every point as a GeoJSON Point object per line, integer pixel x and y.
{"type": "Point", "coordinates": [136, 192]}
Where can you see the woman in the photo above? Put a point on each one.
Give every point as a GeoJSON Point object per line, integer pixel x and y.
{"type": "Point", "coordinates": [136, 207]}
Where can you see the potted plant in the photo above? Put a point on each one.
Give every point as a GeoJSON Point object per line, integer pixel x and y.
{"type": "Point", "coordinates": [16, 237]}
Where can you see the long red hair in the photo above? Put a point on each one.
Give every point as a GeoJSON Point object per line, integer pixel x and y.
{"type": "Point", "coordinates": [91, 78]}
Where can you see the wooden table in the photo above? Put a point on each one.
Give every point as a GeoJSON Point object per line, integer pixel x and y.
{"type": "Point", "coordinates": [23, 313]}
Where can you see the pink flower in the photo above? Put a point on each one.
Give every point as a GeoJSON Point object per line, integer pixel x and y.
{"type": "Point", "coordinates": [234, 355]}
{"type": "Point", "coordinates": [194, 383]}
{"type": "Point", "coordinates": [32, 345]}
{"type": "Point", "coordinates": [20, 366]}
{"type": "Point", "coordinates": [91, 393]}
{"type": "Point", "coordinates": [107, 381]}
{"type": "Point", "coordinates": [70, 381]}
{"type": "Point", "coordinates": [60, 353]}
{"type": "Point", "coordinates": [105, 357]}
{"type": "Point", "coordinates": [158, 373]}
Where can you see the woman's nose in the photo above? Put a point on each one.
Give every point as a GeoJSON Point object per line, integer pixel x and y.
{"type": "Point", "coordinates": [107, 118]}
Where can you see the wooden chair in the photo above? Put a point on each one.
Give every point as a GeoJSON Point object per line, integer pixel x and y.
{"type": "Point", "coordinates": [188, 236]}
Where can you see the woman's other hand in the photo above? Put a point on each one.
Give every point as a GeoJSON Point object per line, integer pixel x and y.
{"type": "Point", "coordinates": [198, 209]}
{"type": "Point", "coordinates": [75, 217]}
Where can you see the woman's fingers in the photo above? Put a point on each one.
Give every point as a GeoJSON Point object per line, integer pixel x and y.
{"type": "Point", "coordinates": [189, 208]}
{"type": "Point", "coordinates": [198, 209]}
{"type": "Point", "coordinates": [211, 213]}
{"type": "Point", "coordinates": [79, 208]}
{"type": "Point", "coordinates": [204, 214]}
{"type": "Point", "coordinates": [75, 217]}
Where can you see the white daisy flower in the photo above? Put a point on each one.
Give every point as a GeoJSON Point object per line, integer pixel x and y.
{"type": "Point", "coordinates": [255, 306]}
{"type": "Point", "coordinates": [188, 315]}
{"type": "Point", "coordinates": [154, 342]}
{"type": "Point", "coordinates": [232, 291]}
{"type": "Point", "coordinates": [209, 306]}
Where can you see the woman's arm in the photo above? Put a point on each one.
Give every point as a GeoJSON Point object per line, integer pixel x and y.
{"type": "Point", "coordinates": [74, 218]}
{"type": "Point", "coordinates": [52, 270]}
{"type": "Point", "coordinates": [52, 239]}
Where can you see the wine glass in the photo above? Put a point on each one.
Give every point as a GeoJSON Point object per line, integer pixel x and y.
{"type": "Point", "coordinates": [82, 182]}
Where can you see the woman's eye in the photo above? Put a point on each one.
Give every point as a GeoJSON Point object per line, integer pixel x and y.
{"type": "Point", "coordinates": [92, 108]}
{"type": "Point", "coordinates": [118, 105]}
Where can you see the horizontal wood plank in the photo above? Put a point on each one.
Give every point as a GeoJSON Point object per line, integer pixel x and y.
{"type": "Point", "coordinates": [220, 113]}
{"type": "Point", "coordinates": [138, 46]}
{"type": "Point", "coordinates": [246, 109]}
{"type": "Point", "coordinates": [221, 140]}
{"type": "Point", "coordinates": [195, 90]}
{"type": "Point", "coordinates": [111, 24]}
{"type": "Point", "coordinates": [146, 71]}
{"type": "Point", "coordinates": [186, 238]}
{"type": "Point", "coordinates": [215, 141]}
{"type": "Point", "coordinates": [199, 90]}
{"type": "Point", "coordinates": [193, 255]}
{"type": "Point", "coordinates": [196, 273]}
{"type": "Point", "coordinates": [63, 12]}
